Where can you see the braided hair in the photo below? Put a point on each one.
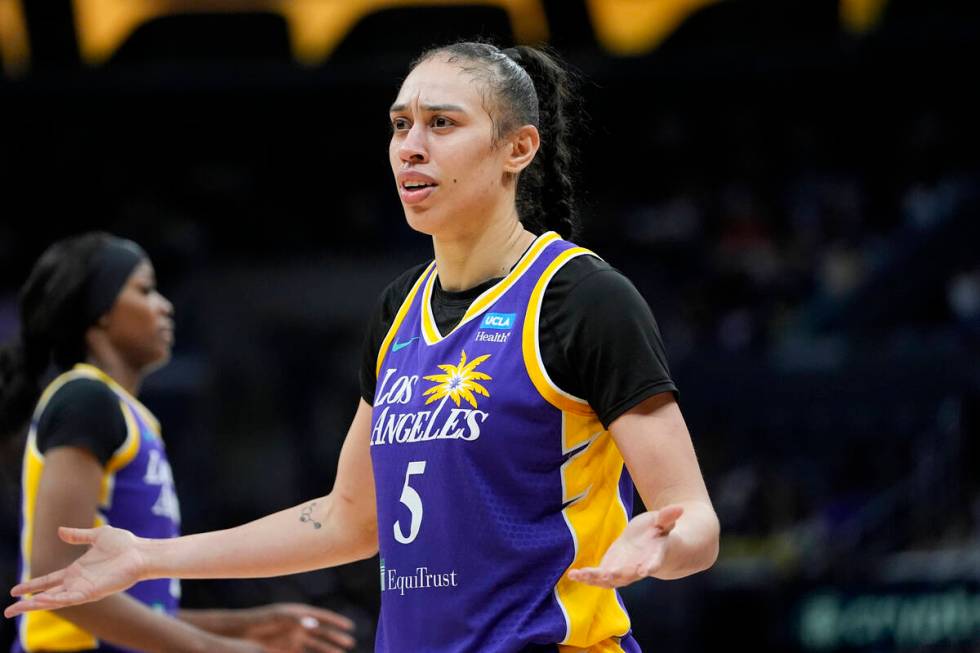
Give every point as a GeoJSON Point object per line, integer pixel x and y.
{"type": "Point", "coordinates": [529, 86]}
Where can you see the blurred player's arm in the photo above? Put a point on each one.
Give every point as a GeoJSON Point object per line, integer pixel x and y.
{"type": "Point", "coordinates": [68, 495]}
{"type": "Point", "coordinates": [283, 627]}
{"type": "Point", "coordinates": [332, 530]}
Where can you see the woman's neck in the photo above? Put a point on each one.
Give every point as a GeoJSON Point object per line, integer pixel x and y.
{"type": "Point", "coordinates": [113, 365]}
{"type": "Point", "coordinates": [467, 261]}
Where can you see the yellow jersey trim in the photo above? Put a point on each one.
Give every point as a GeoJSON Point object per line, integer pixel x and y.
{"type": "Point", "coordinates": [532, 346]}
{"type": "Point", "coordinates": [400, 317]}
{"type": "Point", "coordinates": [594, 511]}
{"type": "Point", "coordinates": [430, 331]}
{"type": "Point", "coordinates": [595, 516]}
{"type": "Point", "coordinates": [144, 412]}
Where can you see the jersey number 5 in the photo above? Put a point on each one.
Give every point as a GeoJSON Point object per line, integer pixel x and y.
{"type": "Point", "coordinates": [413, 502]}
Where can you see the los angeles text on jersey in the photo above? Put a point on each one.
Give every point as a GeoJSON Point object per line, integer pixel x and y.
{"type": "Point", "coordinates": [453, 422]}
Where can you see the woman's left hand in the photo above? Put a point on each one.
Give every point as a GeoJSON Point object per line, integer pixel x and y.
{"type": "Point", "coordinates": [637, 553]}
{"type": "Point", "coordinates": [297, 628]}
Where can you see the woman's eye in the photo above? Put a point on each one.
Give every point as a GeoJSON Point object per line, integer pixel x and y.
{"type": "Point", "coordinates": [440, 121]}
{"type": "Point", "coordinates": [399, 124]}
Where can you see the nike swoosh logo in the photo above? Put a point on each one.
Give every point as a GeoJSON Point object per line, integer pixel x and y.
{"type": "Point", "coordinates": [401, 345]}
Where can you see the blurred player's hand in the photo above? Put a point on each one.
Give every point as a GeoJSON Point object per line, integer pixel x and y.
{"type": "Point", "coordinates": [636, 554]}
{"type": "Point", "coordinates": [297, 628]}
{"type": "Point", "coordinates": [112, 564]}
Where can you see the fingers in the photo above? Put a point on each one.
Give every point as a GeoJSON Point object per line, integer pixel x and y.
{"type": "Point", "coordinates": [323, 616]}
{"type": "Point", "coordinates": [598, 577]}
{"type": "Point", "coordinates": [18, 608]}
{"type": "Point", "coordinates": [339, 638]}
{"type": "Point", "coordinates": [323, 626]}
{"type": "Point", "coordinates": [39, 584]}
{"type": "Point", "coordinates": [314, 644]}
{"type": "Point", "coordinates": [667, 517]}
{"type": "Point", "coordinates": [77, 535]}
{"type": "Point", "coordinates": [617, 574]}
{"type": "Point", "coordinates": [46, 601]}
{"type": "Point", "coordinates": [652, 564]}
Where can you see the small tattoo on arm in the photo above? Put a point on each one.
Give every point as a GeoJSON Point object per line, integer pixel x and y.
{"type": "Point", "coordinates": [307, 515]}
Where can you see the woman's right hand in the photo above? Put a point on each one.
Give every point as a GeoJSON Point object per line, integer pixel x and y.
{"type": "Point", "coordinates": [112, 564]}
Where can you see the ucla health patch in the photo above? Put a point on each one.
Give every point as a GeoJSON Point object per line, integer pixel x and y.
{"type": "Point", "coordinates": [502, 321]}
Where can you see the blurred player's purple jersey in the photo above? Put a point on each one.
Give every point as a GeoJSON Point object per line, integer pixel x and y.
{"type": "Point", "coordinates": [491, 481]}
{"type": "Point", "coordinates": [137, 494]}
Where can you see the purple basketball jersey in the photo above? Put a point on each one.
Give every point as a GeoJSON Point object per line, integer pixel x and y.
{"type": "Point", "coordinates": [491, 481]}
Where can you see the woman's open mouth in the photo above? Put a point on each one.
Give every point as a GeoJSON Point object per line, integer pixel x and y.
{"type": "Point", "coordinates": [413, 192]}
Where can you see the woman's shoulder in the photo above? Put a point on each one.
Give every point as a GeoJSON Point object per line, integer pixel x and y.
{"type": "Point", "coordinates": [83, 392]}
{"type": "Point", "coordinates": [404, 281]}
{"type": "Point", "coordinates": [83, 412]}
{"type": "Point", "coordinates": [590, 277]}
{"type": "Point", "coordinates": [394, 294]}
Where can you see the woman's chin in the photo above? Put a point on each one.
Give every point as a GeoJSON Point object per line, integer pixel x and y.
{"type": "Point", "coordinates": [425, 221]}
{"type": "Point", "coordinates": [160, 359]}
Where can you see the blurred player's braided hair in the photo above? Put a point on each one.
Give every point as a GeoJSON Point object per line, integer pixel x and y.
{"type": "Point", "coordinates": [52, 326]}
{"type": "Point", "coordinates": [529, 86]}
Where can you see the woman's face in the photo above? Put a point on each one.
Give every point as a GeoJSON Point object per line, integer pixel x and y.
{"type": "Point", "coordinates": [447, 168]}
{"type": "Point", "coordinates": [140, 323]}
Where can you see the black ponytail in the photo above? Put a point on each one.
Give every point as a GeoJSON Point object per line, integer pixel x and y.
{"type": "Point", "coordinates": [20, 370]}
{"type": "Point", "coordinates": [532, 87]}
{"type": "Point", "coordinates": [52, 326]}
{"type": "Point", "coordinates": [546, 190]}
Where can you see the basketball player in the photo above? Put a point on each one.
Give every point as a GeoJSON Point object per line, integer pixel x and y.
{"type": "Point", "coordinates": [94, 455]}
{"type": "Point", "coordinates": [513, 390]}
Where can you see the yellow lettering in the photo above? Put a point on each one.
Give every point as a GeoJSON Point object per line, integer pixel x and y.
{"type": "Point", "coordinates": [634, 27]}
{"type": "Point", "coordinates": [316, 27]}
{"type": "Point", "coordinates": [861, 16]}
{"type": "Point", "coordinates": [15, 49]}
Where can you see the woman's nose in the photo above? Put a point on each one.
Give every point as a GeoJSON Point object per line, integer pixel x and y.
{"type": "Point", "coordinates": [413, 148]}
{"type": "Point", "coordinates": [166, 306]}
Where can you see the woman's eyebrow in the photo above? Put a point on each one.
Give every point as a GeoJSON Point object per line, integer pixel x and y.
{"type": "Point", "coordinates": [430, 108]}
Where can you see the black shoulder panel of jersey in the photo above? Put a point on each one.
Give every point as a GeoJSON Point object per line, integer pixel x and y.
{"type": "Point", "coordinates": [83, 413]}
{"type": "Point", "coordinates": [599, 339]}
{"type": "Point", "coordinates": [389, 302]}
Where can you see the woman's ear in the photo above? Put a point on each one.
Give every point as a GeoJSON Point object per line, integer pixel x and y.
{"type": "Point", "coordinates": [521, 147]}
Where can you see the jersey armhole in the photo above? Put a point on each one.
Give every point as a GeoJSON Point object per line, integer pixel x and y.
{"type": "Point", "coordinates": [130, 447]}
{"type": "Point", "coordinates": [531, 344]}
{"type": "Point", "coordinates": [48, 394]}
{"type": "Point", "coordinates": [400, 317]}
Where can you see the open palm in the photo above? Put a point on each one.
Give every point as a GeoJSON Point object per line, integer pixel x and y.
{"type": "Point", "coordinates": [637, 553]}
{"type": "Point", "coordinates": [111, 565]}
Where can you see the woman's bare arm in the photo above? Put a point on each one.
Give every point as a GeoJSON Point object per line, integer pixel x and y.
{"type": "Point", "coordinates": [332, 530]}
{"type": "Point", "coordinates": [68, 494]}
{"type": "Point", "coordinates": [679, 533]}
{"type": "Point", "coordinates": [337, 528]}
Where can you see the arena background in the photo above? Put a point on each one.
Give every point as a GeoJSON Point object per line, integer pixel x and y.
{"type": "Point", "coordinates": [793, 186]}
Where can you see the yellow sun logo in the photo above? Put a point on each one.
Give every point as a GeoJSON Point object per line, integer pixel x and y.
{"type": "Point", "coordinates": [458, 381]}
